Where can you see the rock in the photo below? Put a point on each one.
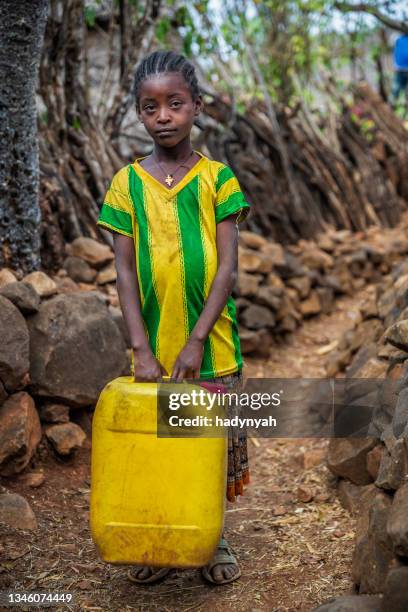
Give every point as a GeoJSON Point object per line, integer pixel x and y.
{"type": "Point", "coordinates": [291, 266]}
{"type": "Point", "coordinates": [14, 346]}
{"type": "Point", "coordinates": [401, 288]}
{"type": "Point", "coordinates": [394, 467]}
{"type": "Point", "coordinates": [302, 284]}
{"type": "Point", "coordinates": [369, 308]}
{"type": "Point", "coordinates": [268, 296]}
{"type": "Point", "coordinates": [6, 277]}
{"type": "Point", "coordinates": [274, 251]}
{"type": "Point", "coordinates": [79, 270]}
{"type": "Point", "coordinates": [65, 437]}
{"type": "Point", "coordinates": [386, 303]}
{"type": "Point", "coordinates": [355, 497]}
{"type": "Point", "coordinates": [116, 314]}
{"type": "Point", "coordinates": [367, 331]}
{"type": "Point", "coordinates": [333, 282]}
{"type": "Point", "coordinates": [337, 361]}
{"type": "Point", "coordinates": [248, 283]}
{"type": "Point", "coordinates": [76, 349]}
{"type": "Point", "coordinates": [16, 512]}
{"type": "Point", "coordinates": [256, 317]}
{"type": "Point", "coordinates": [249, 340]}
{"type": "Point", "coordinates": [254, 261]}
{"type": "Point", "coordinates": [91, 251]}
{"type": "Point", "coordinates": [107, 274]}
{"type": "Point", "coordinates": [400, 417]}
{"type": "Point", "coordinates": [20, 433]}
{"type": "Point", "coordinates": [264, 343]}
{"type": "Point", "coordinates": [285, 308]}
{"type": "Point", "coordinates": [288, 323]}
{"type": "Point", "coordinates": [67, 285]}
{"type": "Point", "coordinates": [32, 479]}
{"type": "Point", "coordinates": [265, 264]}
{"type": "Point", "coordinates": [397, 525]}
{"type": "Point", "coordinates": [83, 418]}
{"type": "Point", "coordinates": [311, 458]}
{"type": "Point", "coordinates": [252, 240]}
{"type": "Point", "coordinates": [397, 335]}
{"type": "Point", "coordinates": [352, 603]}
{"type": "Point", "coordinates": [316, 258]}
{"type": "Point", "coordinates": [326, 298]}
{"type": "Point", "coordinates": [273, 280]}
{"type": "Point", "coordinates": [54, 413]}
{"type": "Point", "coordinates": [22, 295]}
{"type": "Point", "coordinates": [304, 494]}
{"type": "Point", "coordinates": [293, 296]}
{"type": "Point", "coordinates": [325, 242]}
{"type": "Point", "coordinates": [374, 460]}
{"type": "Point", "coordinates": [42, 283]}
{"type": "Point", "coordinates": [375, 254]}
{"type": "Point", "coordinates": [366, 352]}
{"type": "Point", "coordinates": [373, 554]}
{"type": "Point", "coordinates": [373, 368]}
{"type": "Point", "coordinates": [396, 590]}
{"type": "Point", "coordinates": [311, 305]}
{"type": "Point", "coordinates": [240, 302]}
{"type": "Point", "coordinates": [347, 457]}
{"type": "Point", "coordinates": [89, 287]}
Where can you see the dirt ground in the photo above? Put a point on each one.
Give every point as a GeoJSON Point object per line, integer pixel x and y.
{"type": "Point", "coordinates": [293, 554]}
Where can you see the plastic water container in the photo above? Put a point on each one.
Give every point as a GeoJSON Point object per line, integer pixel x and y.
{"type": "Point", "coordinates": [154, 501]}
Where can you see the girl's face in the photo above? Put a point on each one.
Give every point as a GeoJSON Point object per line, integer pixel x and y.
{"type": "Point", "coordinates": [167, 109]}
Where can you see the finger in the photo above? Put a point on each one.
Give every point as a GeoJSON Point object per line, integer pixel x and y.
{"type": "Point", "coordinates": [181, 373]}
{"type": "Point", "coordinates": [175, 371]}
{"type": "Point", "coordinates": [196, 373]}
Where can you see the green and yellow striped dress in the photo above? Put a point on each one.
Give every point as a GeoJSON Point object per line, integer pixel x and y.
{"type": "Point", "coordinates": [174, 233]}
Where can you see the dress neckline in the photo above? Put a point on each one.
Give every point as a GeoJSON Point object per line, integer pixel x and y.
{"type": "Point", "coordinates": [172, 191]}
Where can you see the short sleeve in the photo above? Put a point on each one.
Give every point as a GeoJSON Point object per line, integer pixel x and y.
{"type": "Point", "coordinates": [229, 197]}
{"type": "Point", "coordinates": [116, 213]}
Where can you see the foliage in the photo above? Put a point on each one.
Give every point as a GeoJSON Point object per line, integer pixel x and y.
{"type": "Point", "coordinates": [294, 41]}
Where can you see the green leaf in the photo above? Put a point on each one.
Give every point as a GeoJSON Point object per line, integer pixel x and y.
{"type": "Point", "coordinates": [90, 15]}
{"type": "Point", "coordinates": [161, 30]}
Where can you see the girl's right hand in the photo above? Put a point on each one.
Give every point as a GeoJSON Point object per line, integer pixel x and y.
{"type": "Point", "coordinates": [147, 368]}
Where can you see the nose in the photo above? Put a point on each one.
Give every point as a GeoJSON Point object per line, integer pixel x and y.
{"type": "Point", "coordinates": [163, 114]}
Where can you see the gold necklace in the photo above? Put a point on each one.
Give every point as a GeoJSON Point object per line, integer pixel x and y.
{"type": "Point", "coordinates": [170, 176]}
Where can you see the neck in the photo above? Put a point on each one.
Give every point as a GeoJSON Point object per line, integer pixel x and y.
{"type": "Point", "coordinates": [175, 154]}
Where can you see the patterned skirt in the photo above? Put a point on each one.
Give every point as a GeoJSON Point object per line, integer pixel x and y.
{"type": "Point", "coordinates": [238, 468]}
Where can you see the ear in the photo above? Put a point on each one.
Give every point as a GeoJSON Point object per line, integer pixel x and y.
{"type": "Point", "coordinates": [198, 105]}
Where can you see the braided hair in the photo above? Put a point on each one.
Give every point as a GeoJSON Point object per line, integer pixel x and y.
{"type": "Point", "coordinates": [165, 61]}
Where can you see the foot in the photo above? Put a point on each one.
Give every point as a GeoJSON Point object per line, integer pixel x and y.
{"type": "Point", "coordinates": [224, 567]}
{"type": "Point", "coordinates": [147, 574]}
{"type": "Point", "coordinates": [225, 572]}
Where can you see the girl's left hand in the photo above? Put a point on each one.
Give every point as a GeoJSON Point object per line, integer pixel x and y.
{"type": "Point", "coordinates": [188, 362]}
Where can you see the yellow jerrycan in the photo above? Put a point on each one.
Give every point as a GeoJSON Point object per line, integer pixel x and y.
{"type": "Point", "coordinates": [154, 500]}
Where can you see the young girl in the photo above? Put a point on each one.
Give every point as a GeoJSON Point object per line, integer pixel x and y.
{"type": "Point", "coordinates": [174, 214]}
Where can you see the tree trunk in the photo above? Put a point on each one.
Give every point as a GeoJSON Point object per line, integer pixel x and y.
{"type": "Point", "coordinates": [22, 24]}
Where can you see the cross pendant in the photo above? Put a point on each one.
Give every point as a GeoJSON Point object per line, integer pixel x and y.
{"type": "Point", "coordinates": [169, 179]}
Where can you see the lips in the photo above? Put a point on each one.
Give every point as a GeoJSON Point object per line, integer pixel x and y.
{"type": "Point", "coordinates": [165, 132]}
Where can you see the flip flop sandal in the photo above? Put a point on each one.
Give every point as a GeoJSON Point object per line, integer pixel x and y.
{"type": "Point", "coordinates": [223, 555]}
{"type": "Point", "coordinates": [155, 577]}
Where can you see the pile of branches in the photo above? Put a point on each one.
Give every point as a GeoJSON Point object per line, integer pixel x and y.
{"type": "Point", "coordinates": [348, 171]}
